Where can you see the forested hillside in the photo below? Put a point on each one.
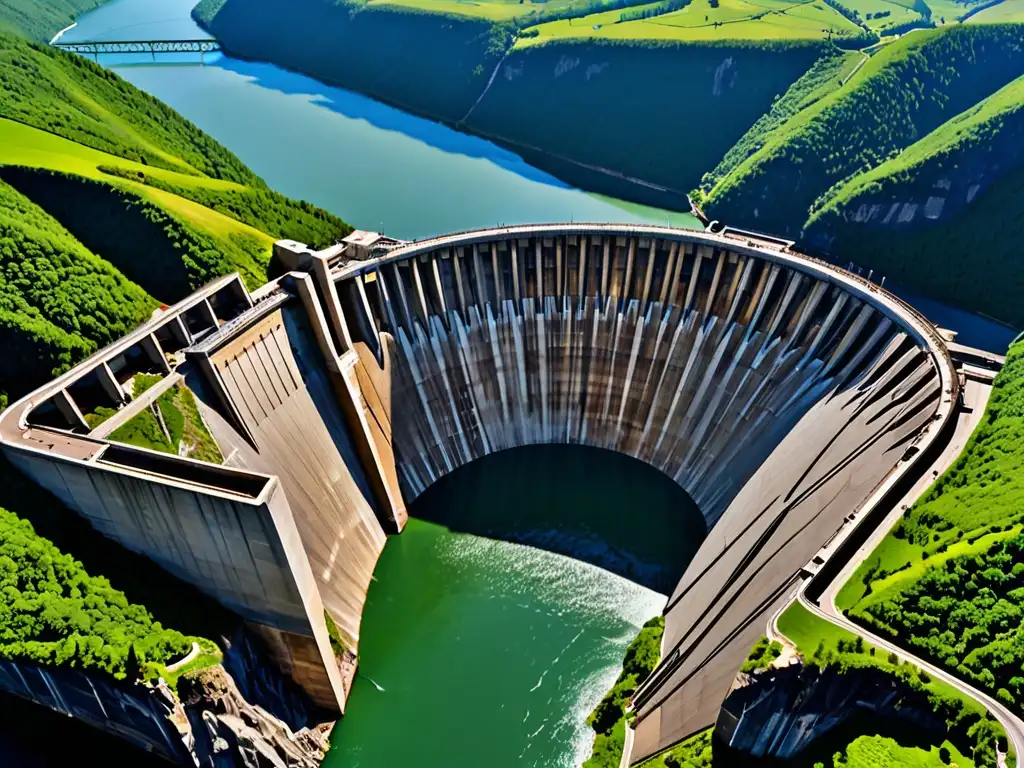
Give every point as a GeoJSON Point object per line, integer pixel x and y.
{"type": "Point", "coordinates": [111, 203]}
{"type": "Point", "coordinates": [944, 216]}
{"type": "Point", "coordinates": [903, 93]}
{"type": "Point", "coordinates": [663, 111]}
{"type": "Point", "coordinates": [948, 582]}
{"type": "Point", "coordinates": [58, 301]}
{"type": "Point", "coordinates": [42, 19]}
{"type": "Point", "coordinates": [55, 613]}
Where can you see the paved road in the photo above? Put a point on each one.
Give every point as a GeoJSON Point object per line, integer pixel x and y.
{"type": "Point", "coordinates": [976, 394]}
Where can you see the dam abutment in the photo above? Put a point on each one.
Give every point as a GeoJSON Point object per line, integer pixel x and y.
{"type": "Point", "coordinates": [775, 390]}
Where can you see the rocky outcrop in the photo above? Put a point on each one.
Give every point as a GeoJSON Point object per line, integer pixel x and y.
{"type": "Point", "coordinates": [226, 731]}
{"type": "Point", "coordinates": [779, 712]}
{"type": "Point", "coordinates": [248, 717]}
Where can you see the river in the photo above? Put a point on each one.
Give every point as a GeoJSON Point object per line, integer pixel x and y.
{"type": "Point", "coordinates": [375, 166]}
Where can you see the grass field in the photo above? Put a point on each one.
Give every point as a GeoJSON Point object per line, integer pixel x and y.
{"type": "Point", "coordinates": [1008, 10]}
{"type": "Point", "coordinates": [699, 21]}
{"type": "Point", "coordinates": [29, 147]}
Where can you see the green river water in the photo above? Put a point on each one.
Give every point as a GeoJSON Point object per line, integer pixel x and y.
{"type": "Point", "coordinates": [477, 650]}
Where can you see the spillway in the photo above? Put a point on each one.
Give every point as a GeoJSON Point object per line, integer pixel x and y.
{"type": "Point", "coordinates": [776, 390]}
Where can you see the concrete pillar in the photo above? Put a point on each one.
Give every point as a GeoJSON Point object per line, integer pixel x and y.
{"type": "Point", "coordinates": [322, 273]}
{"type": "Point", "coordinates": [69, 409]}
{"type": "Point", "coordinates": [211, 316]}
{"type": "Point", "coordinates": [155, 352]}
{"type": "Point", "coordinates": [180, 331]}
{"type": "Point", "coordinates": [110, 384]}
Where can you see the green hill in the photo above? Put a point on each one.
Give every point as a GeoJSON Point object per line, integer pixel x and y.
{"type": "Point", "coordinates": [42, 19]}
{"type": "Point", "coordinates": [941, 216]}
{"type": "Point", "coordinates": [903, 93]}
{"type": "Point", "coordinates": [110, 203]}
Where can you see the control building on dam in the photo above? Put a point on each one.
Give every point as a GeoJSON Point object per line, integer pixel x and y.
{"type": "Point", "coordinates": [776, 390]}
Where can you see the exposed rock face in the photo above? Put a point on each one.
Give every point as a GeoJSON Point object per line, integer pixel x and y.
{"type": "Point", "coordinates": [226, 730]}
{"type": "Point", "coordinates": [779, 712]}
{"type": "Point", "coordinates": [259, 683]}
{"type": "Point", "coordinates": [240, 714]}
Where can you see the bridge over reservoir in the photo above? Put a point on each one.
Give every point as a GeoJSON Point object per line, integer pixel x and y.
{"type": "Point", "coordinates": [153, 47]}
{"type": "Point", "coordinates": [776, 390]}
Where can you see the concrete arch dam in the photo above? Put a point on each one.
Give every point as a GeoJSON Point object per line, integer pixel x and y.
{"type": "Point", "coordinates": [776, 390]}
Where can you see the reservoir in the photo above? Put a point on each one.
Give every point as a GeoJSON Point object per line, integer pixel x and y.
{"type": "Point", "coordinates": [477, 649]}
{"type": "Point", "coordinates": [375, 166]}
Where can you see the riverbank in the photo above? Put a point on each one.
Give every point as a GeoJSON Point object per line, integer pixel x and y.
{"type": "Point", "coordinates": [567, 103]}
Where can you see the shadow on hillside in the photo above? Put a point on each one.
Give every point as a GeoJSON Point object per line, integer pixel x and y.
{"type": "Point", "coordinates": [355, 106]}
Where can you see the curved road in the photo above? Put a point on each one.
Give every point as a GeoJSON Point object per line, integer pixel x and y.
{"type": "Point", "coordinates": [976, 395]}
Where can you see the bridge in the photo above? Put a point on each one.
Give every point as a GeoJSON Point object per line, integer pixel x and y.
{"type": "Point", "coordinates": [153, 47]}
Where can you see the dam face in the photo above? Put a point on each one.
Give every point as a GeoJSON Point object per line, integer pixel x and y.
{"type": "Point", "coordinates": [777, 391]}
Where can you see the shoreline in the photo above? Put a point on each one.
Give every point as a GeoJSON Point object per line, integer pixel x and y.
{"type": "Point", "coordinates": [61, 33]}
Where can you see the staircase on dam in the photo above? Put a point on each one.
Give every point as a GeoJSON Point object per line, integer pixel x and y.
{"type": "Point", "coordinates": [776, 390]}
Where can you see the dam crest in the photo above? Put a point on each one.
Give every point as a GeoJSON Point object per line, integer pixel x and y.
{"type": "Point", "coordinates": [776, 390]}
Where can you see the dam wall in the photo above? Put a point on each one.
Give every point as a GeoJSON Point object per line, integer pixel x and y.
{"type": "Point", "coordinates": [275, 376]}
{"type": "Point", "coordinates": [777, 391]}
{"type": "Point", "coordinates": [232, 532]}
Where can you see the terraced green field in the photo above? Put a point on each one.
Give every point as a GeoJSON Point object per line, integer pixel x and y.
{"type": "Point", "coordinates": [700, 21]}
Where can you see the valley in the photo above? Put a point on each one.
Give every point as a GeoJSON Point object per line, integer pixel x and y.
{"type": "Point", "coordinates": [885, 134]}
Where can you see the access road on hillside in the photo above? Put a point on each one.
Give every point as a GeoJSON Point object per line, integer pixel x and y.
{"type": "Point", "coordinates": [975, 397]}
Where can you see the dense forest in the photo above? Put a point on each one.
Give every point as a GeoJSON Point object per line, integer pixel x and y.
{"type": "Point", "coordinates": [58, 300]}
{"type": "Point", "coordinates": [903, 93]}
{"type": "Point", "coordinates": [55, 613]}
{"type": "Point", "coordinates": [948, 582]}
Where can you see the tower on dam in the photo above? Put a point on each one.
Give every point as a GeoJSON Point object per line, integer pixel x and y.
{"type": "Point", "coordinates": [776, 390]}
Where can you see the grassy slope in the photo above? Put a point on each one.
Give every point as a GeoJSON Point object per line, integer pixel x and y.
{"type": "Point", "coordinates": [41, 19]}
{"type": "Point", "coordinates": [977, 156]}
{"type": "Point", "coordinates": [1007, 10]}
{"type": "Point", "coordinates": [699, 21]}
{"type": "Point", "coordinates": [905, 91]}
